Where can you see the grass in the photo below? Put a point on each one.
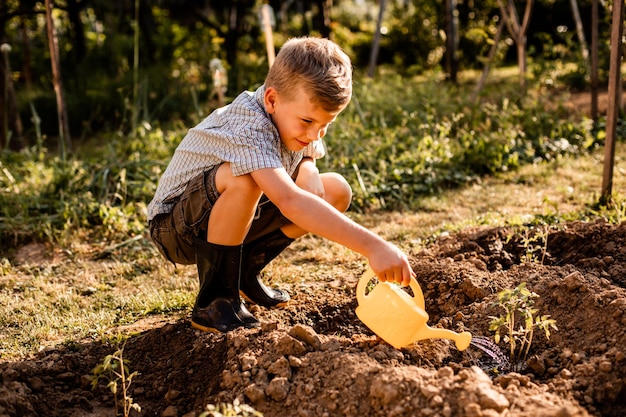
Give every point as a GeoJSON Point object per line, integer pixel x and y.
{"type": "Point", "coordinates": [56, 296]}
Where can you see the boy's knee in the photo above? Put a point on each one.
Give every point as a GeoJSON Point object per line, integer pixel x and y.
{"type": "Point", "coordinates": [337, 191]}
{"type": "Point", "coordinates": [226, 181]}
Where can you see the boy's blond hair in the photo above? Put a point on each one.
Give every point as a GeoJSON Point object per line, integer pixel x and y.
{"type": "Point", "coordinates": [318, 65]}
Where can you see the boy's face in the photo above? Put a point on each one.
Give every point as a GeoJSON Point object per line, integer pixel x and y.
{"type": "Point", "coordinates": [299, 120]}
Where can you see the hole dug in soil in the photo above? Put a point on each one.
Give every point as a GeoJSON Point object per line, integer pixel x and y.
{"type": "Point", "coordinates": [315, 358]}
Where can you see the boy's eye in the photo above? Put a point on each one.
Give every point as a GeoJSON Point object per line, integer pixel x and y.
{"type": "Point", "coordinates": [306, 121]}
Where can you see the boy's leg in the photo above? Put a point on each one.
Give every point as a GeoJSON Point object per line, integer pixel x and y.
{"type": "Point", "coordinates": [181, 236]}
{"type": "Point", "coordinates": [218, 307]}
{"type": "Point", "coordinates": [225, 205]}
{"type": "Point", "coordinates": [275, 236]}
{"type": "Point", "coordinates": [233, 212]}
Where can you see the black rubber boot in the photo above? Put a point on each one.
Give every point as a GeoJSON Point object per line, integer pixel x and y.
{"type": "Point", "coordinates": [256, 255]}
{"type": "Point", "coordinates": [218, 307]}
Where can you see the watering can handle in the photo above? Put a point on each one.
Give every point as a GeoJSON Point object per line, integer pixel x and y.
{"type": "Point", "coordinates": [369, 274]}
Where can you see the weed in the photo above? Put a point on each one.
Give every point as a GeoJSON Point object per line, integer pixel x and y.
{"type": "Point", "coordinates": [518, 323]}
{"type": "Point", "coordinates": [114, 368]}
{"type": "Point", "coordinates": [535, 244]}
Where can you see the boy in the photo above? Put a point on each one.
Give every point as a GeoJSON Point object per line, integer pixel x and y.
{"type": "Point", "coordinates": [242, 185]}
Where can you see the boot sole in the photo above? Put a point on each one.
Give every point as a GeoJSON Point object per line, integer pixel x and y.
{"type": "Point", "coordinates": [247, 299]}
{"type": "Point", "coordinates": [204, 328]}
{"type": "Point", "coordinates": [214, 330]}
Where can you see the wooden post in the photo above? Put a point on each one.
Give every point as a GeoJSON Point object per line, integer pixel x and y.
{"type": "Point", "coordinates": [267, 29]}
{"type": "Point", "coordinates": [594, 60]}
{"type": "Point", "coordinates": [617, 29]}
{"type": "Point", "coordinates": [64, 136]}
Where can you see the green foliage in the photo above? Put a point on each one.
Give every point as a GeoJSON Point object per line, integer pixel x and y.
{"type": "Point", "coordinates": [517, 324]}
{"type": "Point", "coordinates": [400, 139]}
{"type": "Point", "coordinates": [233, 409]}
{"type": "Point", "coordinates": [397, 144]}
{"type": "Point", "coordinates": [120, 68]}
{"type": "Point", "coordinates": [104, 194]}
{"type": "Point", "coordinates": [114, 369]}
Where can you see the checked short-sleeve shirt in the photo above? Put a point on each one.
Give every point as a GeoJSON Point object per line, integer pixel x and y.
{"type": "Point", "coordinates": [240, 133]}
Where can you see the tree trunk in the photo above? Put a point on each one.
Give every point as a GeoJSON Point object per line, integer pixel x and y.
{"type": "Point", "coordinates": [580, 32]}
{"type": "Point", "coordinates": [10, 122]}
{"type": "Point", "coordinates": [490, 58]}
{"type": "Point", "coordinates": [27, 72]}
{"type": "Point", "coordinates": [371, 69]}
{"type": "Point", "coordinates": [517, 31]}
{"type": "Point", "coordinates": [451, 34]}
{"type": "Point", "coordinates": [321, 20]}
{"type": "Point", "coordinates": [65, 143]}
{"type": "Point", "coordinates": [594, 60]}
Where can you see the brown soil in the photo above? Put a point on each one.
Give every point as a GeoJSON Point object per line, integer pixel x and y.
{"type": "Point", "coordinates": [315, 358]}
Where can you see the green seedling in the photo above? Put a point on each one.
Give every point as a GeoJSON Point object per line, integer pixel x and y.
{"type": "Point", "coordinates": [535, 244]}
{"type": "Point", "coordinates": [518, 323]}
{"type": "Point", "coordinates": [114, 368]}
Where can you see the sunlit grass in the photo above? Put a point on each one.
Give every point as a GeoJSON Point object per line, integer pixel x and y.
{"type": "Point", "coordinates": [74, 301]}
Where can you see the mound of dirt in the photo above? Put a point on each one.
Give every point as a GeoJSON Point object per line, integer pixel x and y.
{"type": "Point", "coordinates": [315, 358]}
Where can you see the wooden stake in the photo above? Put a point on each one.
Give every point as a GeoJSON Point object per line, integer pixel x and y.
{"type": "Point", "coordinates": [267, 29]}
{"type": "Point", "coordinates": [617, 29]}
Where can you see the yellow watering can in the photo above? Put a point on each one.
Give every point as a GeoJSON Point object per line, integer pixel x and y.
{"type": "Point", "coordinates": [398, 318]}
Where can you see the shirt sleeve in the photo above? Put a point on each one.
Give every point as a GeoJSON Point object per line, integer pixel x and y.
{"type": "Point", "coordinates": [315, 150]}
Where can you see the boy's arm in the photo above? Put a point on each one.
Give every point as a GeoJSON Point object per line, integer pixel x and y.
{"type": "Point", "coordinates": [309, 177]}
{"type": "Point", "coordinates": [315, 215]}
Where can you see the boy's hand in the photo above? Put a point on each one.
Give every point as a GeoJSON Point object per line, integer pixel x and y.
{"type": "Point", "coordinates": [391, 264]}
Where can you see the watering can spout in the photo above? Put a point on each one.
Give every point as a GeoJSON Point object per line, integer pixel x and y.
{"type": "Point", "coordinates": [461, 340]}
{"type": "Point", "coordinates": [397, 317]}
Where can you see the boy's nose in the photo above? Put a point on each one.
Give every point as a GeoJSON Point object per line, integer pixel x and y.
{"type": "Point", "coordinates": [314, 134]}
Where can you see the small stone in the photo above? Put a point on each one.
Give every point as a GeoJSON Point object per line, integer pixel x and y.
{"type": "Point", "coordinates": [294, 361]}
{"type": "Point", "coordinates": [35, 383]}
{"type": "Point", "coordinates": [435, 402]}
{"type": "Point", "coordinates": [307, 335]}
{"type": "Point", "coordinates": [473, 410]}
{"type": "Point", "coordinates": [171, 395]}
{"type": "Point", "coordinates": [170, 411]}
{"type": "Point", "coordinates": [247, 362]}
{"type": "Point", "coordinates": [429, 391]}
{"type": "Point", "coordinates": [445, 372]}
{"type": "Point", "coordinates": [605, 366]}
{"type": "Point", "coordinates": [288, 345]}
{"type": "Point", "coordinates": [489, 398]}
{"type": "Point", "coordinates": [255, 393]}
{"type": "Point", "coordinates": [280, 368]}
{"type": "Point", "coordinates": [278, 389]}
{"type": "Point", "coordinates": [566, 353]}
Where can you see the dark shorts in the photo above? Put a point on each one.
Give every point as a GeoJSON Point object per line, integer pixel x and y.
{"type": "Point", "coordinates": [173, 233]}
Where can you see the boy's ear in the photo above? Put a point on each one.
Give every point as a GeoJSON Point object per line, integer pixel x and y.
{"type": "Point", "coordinates": [270, 98]}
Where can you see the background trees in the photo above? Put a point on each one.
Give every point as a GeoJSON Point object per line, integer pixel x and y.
{"type": "Point", "coordinates": [124, 62]}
